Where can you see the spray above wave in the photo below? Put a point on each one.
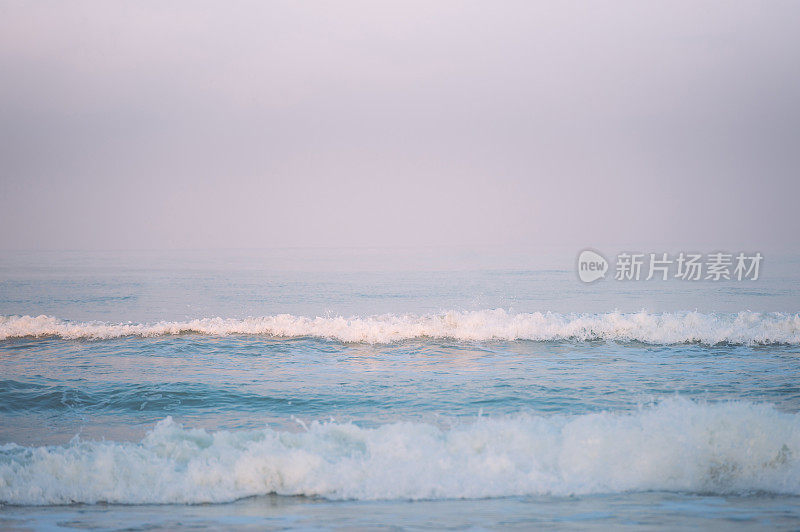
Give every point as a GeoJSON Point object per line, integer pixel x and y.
{"type": "Point", "coordinates": [678, 445]}
{"type": "Point", "coordinates": [665, 328]}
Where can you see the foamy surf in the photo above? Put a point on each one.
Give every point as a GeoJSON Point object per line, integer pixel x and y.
{"type": "Point", "coordinates": [678, 445]}
{"type": "Point", "coordinates": [655, 328]}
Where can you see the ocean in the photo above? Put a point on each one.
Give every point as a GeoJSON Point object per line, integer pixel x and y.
{"type": "Point", "coordinates": [413, 388]}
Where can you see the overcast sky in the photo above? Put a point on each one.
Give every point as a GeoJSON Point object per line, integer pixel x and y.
{"type": "Point", "coordinates": [522, 124]}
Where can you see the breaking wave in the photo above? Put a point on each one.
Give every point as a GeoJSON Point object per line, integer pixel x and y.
{"type": "Point", "coordinates": [677, 445]}
{"type": "Point", "coordinates": [665, 328]}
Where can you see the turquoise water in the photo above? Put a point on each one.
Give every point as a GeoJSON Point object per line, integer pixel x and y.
{"type": "Point", "coordinates": [368, 388]}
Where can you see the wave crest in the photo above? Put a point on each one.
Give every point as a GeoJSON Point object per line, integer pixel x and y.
{"type": "Point", "coordinates": [678, 445]}
{"type": "Point", "coordinates": [665, 328]}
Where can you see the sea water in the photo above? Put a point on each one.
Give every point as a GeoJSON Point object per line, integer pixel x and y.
{"type": "Point", "coordinates": [416, 388]}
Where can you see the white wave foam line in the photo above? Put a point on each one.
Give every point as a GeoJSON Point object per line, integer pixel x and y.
{"type": "Point", "coordinates": [667, 328]}
{"type": "Point", "coordinates": [679, 445]}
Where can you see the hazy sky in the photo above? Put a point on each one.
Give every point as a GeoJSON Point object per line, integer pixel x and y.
{"type": "Point", "coordinates": [238, 124]}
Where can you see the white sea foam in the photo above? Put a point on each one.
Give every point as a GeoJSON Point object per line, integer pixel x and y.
{"type": "Point", "coordinates": [665, 328]}
{"type": "Point", "coordinates": [678, 445]}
